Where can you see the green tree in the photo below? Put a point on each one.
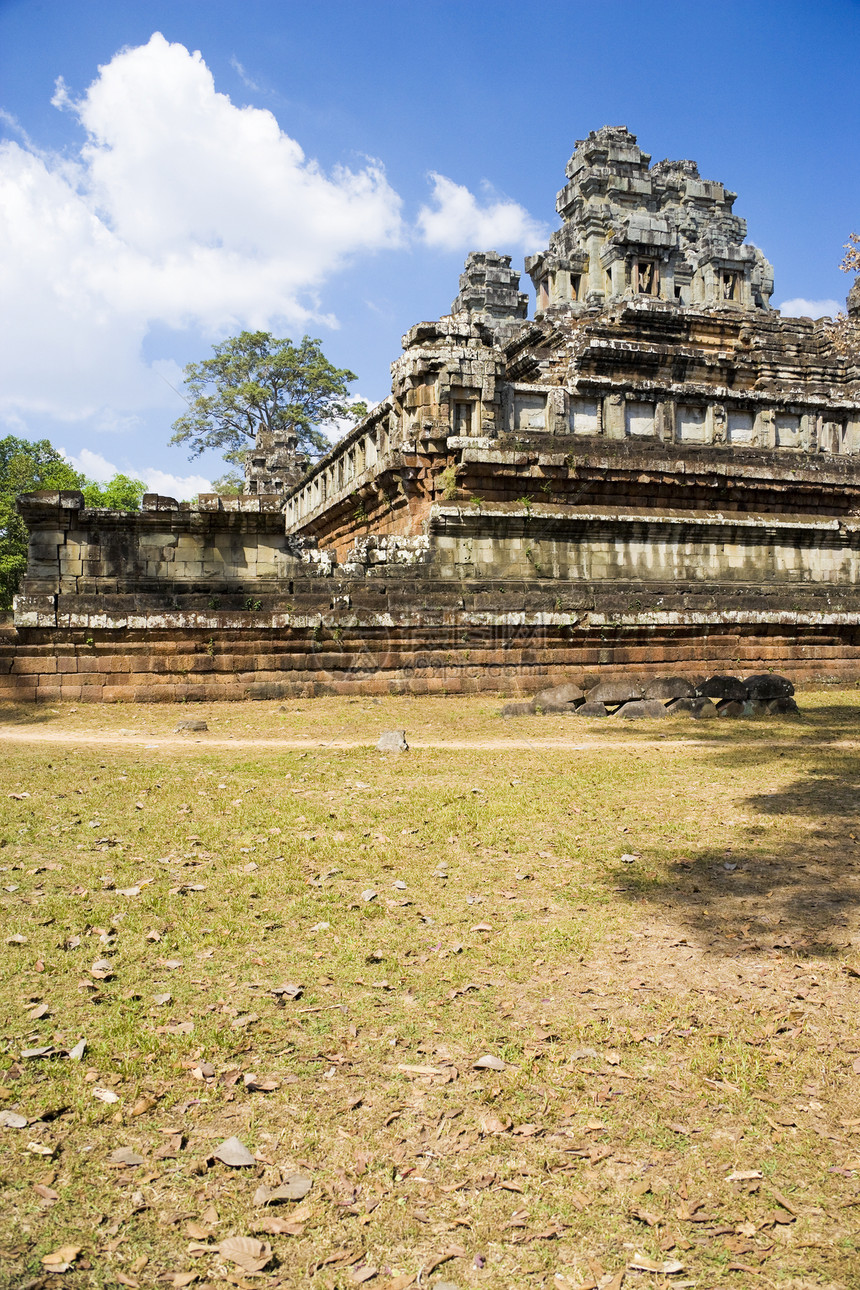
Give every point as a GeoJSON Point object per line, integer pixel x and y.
{"type": "Point", "coordinates": [122, 493]}
{"type": "Point", "coordinates": [24, 467]}
{"type": "Point", "coordinates": [255, 382]}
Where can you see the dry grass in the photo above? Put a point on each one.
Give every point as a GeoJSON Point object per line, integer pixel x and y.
{"type": "Point", "coordinates": [664, 1023]}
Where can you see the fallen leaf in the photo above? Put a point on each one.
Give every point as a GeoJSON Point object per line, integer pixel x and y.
{"type": "Point", "coordinates": [489, 1063]}
{"type": "Point", "coordinates": [105, 1095]}
{"type": "Point", "coordinates": [46, 1193]}
{"type": "Point", "coordinates": [183, 1279]}
{"type": "Point", "coordinates": [256, 1085]}
{"type": "Point", "coordinates": [11, 1120]}
{"type": "Point", "coordinates": [234, 1153]}
{"type": "Point", "coordinates": [76, 1053]}
{"type": "Point", "coordinates": [296, 1187]}
{"type": "Point", "coordinates": [492, 1124]}
{"type": "Point", "coordinates": [289, 990]}
{"type": "Point", "coordinates": [125, 1156]}
{"type": "Point", "coordinates": [61, 1259]}
{"type": "Point", "coordinates": [40, 1149]}
{"type": "Point", "coordinates": [246, 1252]}
{"type": "Point", "coordinates": [197, 1231]}
{"type": "Point", "coordinates": [364, 1272]}
{"type": "Point", "coordinates": [641, 1263]}
{"type": "Point", "coordinates": [142, 1105]}
{"type": "Point", "coordinates": [453, 1252]}
{"type": "Point", "coordinates": [744, 1175]}
{"type": "Point", "coordinates": [102, 970]}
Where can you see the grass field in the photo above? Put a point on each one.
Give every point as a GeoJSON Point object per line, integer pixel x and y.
{"type": "Point", "coordinates": [272, 933]}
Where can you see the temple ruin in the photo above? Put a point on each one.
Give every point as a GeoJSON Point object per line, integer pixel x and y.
{"type": "Point", "coordinates": [655, 471]}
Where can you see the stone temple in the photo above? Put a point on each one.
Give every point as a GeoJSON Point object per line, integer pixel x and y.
{"type": "Point", "coordinates": [657, 471]}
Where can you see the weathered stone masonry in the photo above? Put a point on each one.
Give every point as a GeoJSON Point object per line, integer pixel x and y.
{"type": "Point", "coordinates": [657, 471]}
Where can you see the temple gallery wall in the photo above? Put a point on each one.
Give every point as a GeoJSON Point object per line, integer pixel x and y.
{"type": "Point", "coordinates": [655, 471]}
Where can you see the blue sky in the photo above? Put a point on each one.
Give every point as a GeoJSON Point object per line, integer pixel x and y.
{"type": "Point", "coordinates": [324, 167]}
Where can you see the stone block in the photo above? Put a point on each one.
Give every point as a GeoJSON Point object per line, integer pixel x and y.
{"type": "Point", "coordinates": [522, 709]}
{"type": "Point", "coordinates": [636, 709]}
{"type": "Point", "coordinates": [559, 698]}
{"type": "Point", "coordinates": [699, 708]}
{"type": "Point", "coordinates": [768, 685]}
{"type": "Point", "coordinates": [722, 687]}
{"type": "Point", "coordinates": [668, 687]}
{"type": "Point", "coordinates": [617, 691]}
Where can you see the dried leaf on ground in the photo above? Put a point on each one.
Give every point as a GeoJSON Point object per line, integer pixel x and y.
{"type": "Point", "coordinates": [246, 1252]}
{"type": "Point", "coordinates": [234, 1153]}
{"type": "Point", "coordinates": [105, 1095]}
{"type": "Point", "coordinates": [125, 1156]}
{"type": "Point", "coordinates": [642, 1263]}
{"type": "Point", "coordinates": [295, 1187]}
{"type": "Point", "coordinates": [61, 1259]}
{"type": "Point", "coordinates": [489, 1063]}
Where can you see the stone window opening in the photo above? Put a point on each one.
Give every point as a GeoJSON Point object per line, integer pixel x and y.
{"type": "Point", "coordinates": [575, 285]}
{"type": "Point", "coordinates": [646, 278]}
{"type": "Point", "coordinates": [584, 416]}
{"type": "Point", "coordinates": [464, 417]}
{"type": "Point", "coordinates": [543, 294]}
{"type": "Point", "coordinates": [639, 419]}
{"type": "Point", "coordinates": [730, 286]}
{"type": "Point", "coordinates": [740, 426]}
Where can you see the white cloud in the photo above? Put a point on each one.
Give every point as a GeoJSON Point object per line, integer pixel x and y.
{"type": "Point", "coordinates": [97, 467]}
{"type": "Point", "coordinates": [180, 209]}
{"type": "Point", "coordinates": [459, 222]}
{"type": "Point", "coordinates": [800, 308]}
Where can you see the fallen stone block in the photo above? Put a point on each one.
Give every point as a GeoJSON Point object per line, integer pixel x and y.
{"type": "Point", "coordinates": [616, 691]}
{"type": "Point", "coordinates": [768, 685]}
{"type": "Point", "coordinates": [730, 708]}
{"type": "Point", "coordinates": [558, 698]}
{"type": "Point", "coordinates": [785, 707]}
{"type": "Point", "coordinates": [392, 741]}
{"type": "Point", "coordinates": [754, 708]}
{"type": "Point", "coordinates": [518, 710]}
{"type": "Point", "coordinates": [722, 687]}
{"type": "Point", "coordinates": [636, 709]}
{"type": "Point", "coordinates": [696, 707]}
{"type": "Point", "coordinates": [668, 687]}
{"type": "Point", "coordinates": [191, 725]}
{"type": "Point", "coordinates": [590, 709]}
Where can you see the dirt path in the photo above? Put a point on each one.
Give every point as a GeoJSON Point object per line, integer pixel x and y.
{"type": "Point", "coordinates": [29, 735]}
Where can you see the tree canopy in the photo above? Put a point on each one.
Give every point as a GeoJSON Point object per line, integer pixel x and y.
{"type": "Point", "coordinates": [27, 466]}
{"type": "Point", "coordinates": [24, 467]}
{"type": "Point", "coordinates": [122, 493]}
{"type": "Point", "coordinates": [256, 382]}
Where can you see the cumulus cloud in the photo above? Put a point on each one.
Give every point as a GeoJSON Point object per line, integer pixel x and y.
{"type": "Point", "coordinates": [800, 308]}
{"type": "Point", "coordinates": [97, 467]}
{"type": "Point", "coordinates": [457, 221]}
{"type": "Point", "coordinates": [180, 209]}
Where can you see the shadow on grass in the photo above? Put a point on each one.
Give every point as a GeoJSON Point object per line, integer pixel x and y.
{"type": "Point", "coordinates": [794, 887]}
{"type": "Point", "coordinates": [26, 714]}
